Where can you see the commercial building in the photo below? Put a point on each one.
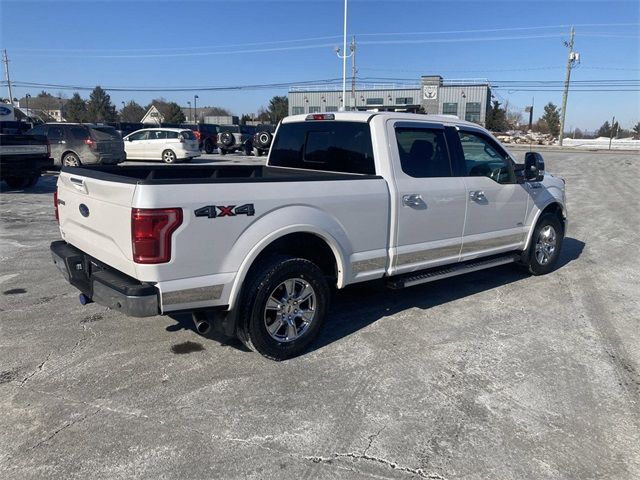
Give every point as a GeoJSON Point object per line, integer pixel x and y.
{"type": "Point", "coordinates": [467, 99]}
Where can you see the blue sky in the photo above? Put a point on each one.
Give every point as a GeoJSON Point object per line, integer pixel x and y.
{"type": "Point", "coordinates": [221, 43]}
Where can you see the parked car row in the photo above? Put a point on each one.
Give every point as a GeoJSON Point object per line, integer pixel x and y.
{"type": "Point", "coordinates": [74, 144]}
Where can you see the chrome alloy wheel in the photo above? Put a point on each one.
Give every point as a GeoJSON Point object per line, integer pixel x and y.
{"type": "Point", "coordinates": [290, 309]}
{"type": "Point", "coordinates": [546, 245]}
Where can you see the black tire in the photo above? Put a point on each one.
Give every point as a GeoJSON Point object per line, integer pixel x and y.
{"type": "Point", "coordinates": [169, 156]}
{"type": "Point", "coordinates": [222, 151]}
{"type": "Point", "coordinates": [264, 139]}
{"type": "Point", "coordinates": [32, 180]}
{"type": "Point", "coordinates": [266, 281]}
{"type": "Point", "coordinates": [17, 182]}
{"type": "Point", "coordinates": [248, 148]}
{"type": "Point", "coordinates": [544, 252]}
{"type": "Point", "coordinates": [208, 146]}
{"type": "Point", "coordinates": [226, 139]}
{"type": "Point", "coordinates": [71, 160]}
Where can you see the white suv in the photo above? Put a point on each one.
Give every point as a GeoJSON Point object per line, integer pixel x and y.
{"type": "Point", "coordinates": [166, 144]}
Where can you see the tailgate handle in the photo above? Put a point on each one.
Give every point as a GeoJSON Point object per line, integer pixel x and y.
{"type": "Point", "coordinates": [78, 183]}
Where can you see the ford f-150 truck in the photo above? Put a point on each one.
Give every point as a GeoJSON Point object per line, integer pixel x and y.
{"type": "Point", "coordinates": [344, 198]}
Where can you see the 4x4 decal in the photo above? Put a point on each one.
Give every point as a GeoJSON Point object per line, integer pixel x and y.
{"type": "Point", "coordinates": [214, 211]}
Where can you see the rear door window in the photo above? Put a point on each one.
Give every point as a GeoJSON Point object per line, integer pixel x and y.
{"type": "Point", "coordinates": [423, 152]}
{"type": "Point", "coordinates": [324, 145]}
{"type": "Point", "coordinates": [172, 134]}
{"type": "Point", "coordinates": [55, 134]}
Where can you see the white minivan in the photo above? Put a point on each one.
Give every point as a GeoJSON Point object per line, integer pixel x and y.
{"type": "Point", "coordinates": [166, 144]}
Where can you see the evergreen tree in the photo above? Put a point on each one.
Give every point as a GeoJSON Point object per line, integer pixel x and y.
{"type": "Point", "coordinates": [278, 108]}
{"type": "Point", "coordinates": [76, 109]}
{"type": "Point", "coordinates": [99, 107]}
{"type": "Point", "coordinates": [604, 130]}
{"type": "Point", "coordinates": [636, 131]}
{"type": "Point", "coordinates": [132, 112]}
{"type": "Point", "coordinates": [552, 118]}
{"type": "Point", "coordinates": [496, 118]}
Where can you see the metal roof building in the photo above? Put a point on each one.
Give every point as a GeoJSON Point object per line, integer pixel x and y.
{"type": "Point", "coordinates": [467, 99]}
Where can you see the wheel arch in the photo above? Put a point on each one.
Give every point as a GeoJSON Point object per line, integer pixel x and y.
{"type": "Point", "coordinates": [329, 251]}
{"type": "Point", "coordinates": [554, 208]}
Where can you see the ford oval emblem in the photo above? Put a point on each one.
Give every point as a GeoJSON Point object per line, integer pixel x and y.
{"type": "Point", "coordinates": [5, 111]}
{"type": "Point", "coordinates": [84, 210]}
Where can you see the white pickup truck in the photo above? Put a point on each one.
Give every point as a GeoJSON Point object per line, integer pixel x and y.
{"type": "Point", "coordinates": [344, 198]}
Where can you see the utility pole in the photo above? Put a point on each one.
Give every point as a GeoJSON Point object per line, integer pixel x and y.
{"type": "Point", "coordinates": [613, 122]}
{"type": "Point", "coordinates": [344, 57]}
{"type": "Point", "coordinates": [5, 60]}
{"type": "Point", "coordinates": [530, 110]}
{"type": "Point", "coordinates": [571, 61]}
{"type": "Point", "coordinates": [353, 73]}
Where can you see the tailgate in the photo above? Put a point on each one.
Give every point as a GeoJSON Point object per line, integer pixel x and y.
{"type": "Point", "coordinates": [95, 216]}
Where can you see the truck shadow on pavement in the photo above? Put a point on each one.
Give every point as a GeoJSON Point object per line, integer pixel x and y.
{"type": "Point", "coordinates": [358, 306]}
{"type": "Point", "coordinates": [366, 304]}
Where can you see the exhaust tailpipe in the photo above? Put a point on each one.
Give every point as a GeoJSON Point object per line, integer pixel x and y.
{"type": "Point", "coordinates": [84, 300]}
{"type": "Point", "coordinates": [201, 323]}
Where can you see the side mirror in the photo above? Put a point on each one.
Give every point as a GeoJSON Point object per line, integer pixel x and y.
{"type": "Point", "coordinates": [533, 167]}
{"type": "Point", "coordinates": [129, 139]}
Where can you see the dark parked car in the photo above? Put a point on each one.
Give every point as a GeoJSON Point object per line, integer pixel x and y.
{"type": "Point", "coordinates": [125, 128]}
{"type": "Point", "coordinates": [236, 137]}
{"type": "Point", "coordinates": [262, 139]}
{"type": "Point", "coordinates": [82, 144]}
{"type": "Point", "coordinates": [206, 133]}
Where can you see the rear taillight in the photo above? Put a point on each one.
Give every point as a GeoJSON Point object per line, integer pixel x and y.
{"type": "Point", "coordinates": [90, 142]}
{"type": "Point", "coordinates": [55, 205]}
{"type": "Point", "coordinates": [151, 230]}
{"type": "Point", "coordinates": [198, 135]}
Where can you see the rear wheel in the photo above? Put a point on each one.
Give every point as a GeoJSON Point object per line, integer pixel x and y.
{"type": "Point", "coordinates": [71, 160]}
{"type": "Point", "coordinates": [546, 243]}
{"type": "Point", "coordinates": [22, 182]}
{"type": "Point", "coordinates": [208, 146]}
{"type": "Point", "coordinates": [168, 156]}
{"type": "Point", "coordinates": [283, 307]}
{"type": "Point", "coordinates": [222, 151]}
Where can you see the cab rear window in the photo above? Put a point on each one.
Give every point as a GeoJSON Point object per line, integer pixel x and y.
{"type": "Point", "coordinates": [324, 145]}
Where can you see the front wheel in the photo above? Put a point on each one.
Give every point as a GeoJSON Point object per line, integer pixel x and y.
{"type": "Point", "coordinates": [283, 307]}
{"type": "Point", "coordinates": [546, 243]}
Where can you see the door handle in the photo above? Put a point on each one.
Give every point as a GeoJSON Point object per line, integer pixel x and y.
{"type": "Point", "coordinates": [414, 201]}
{"type": "Point", "coordinates": [535, 186]}
{"type": "Point", "coordinates": [477, 195]}
{"type": "Point", "coordinates": [79, 184]}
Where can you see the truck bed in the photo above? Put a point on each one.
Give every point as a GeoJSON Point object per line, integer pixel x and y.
{"type": "Point", "coordinates": [187, 174]}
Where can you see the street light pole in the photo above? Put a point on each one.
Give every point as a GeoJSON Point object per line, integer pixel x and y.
{"type": "Point", "coordinates": [195, 109]}
{"type": "Point", "coordinates": [26, 98]}
{"type": "Point", "coordinates": [190, 112]}
{"type": "Point", "coordinates": [344, 57]}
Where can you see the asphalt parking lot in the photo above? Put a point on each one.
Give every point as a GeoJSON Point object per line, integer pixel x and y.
{"type": "Point", "coordinates": [494, 375]}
